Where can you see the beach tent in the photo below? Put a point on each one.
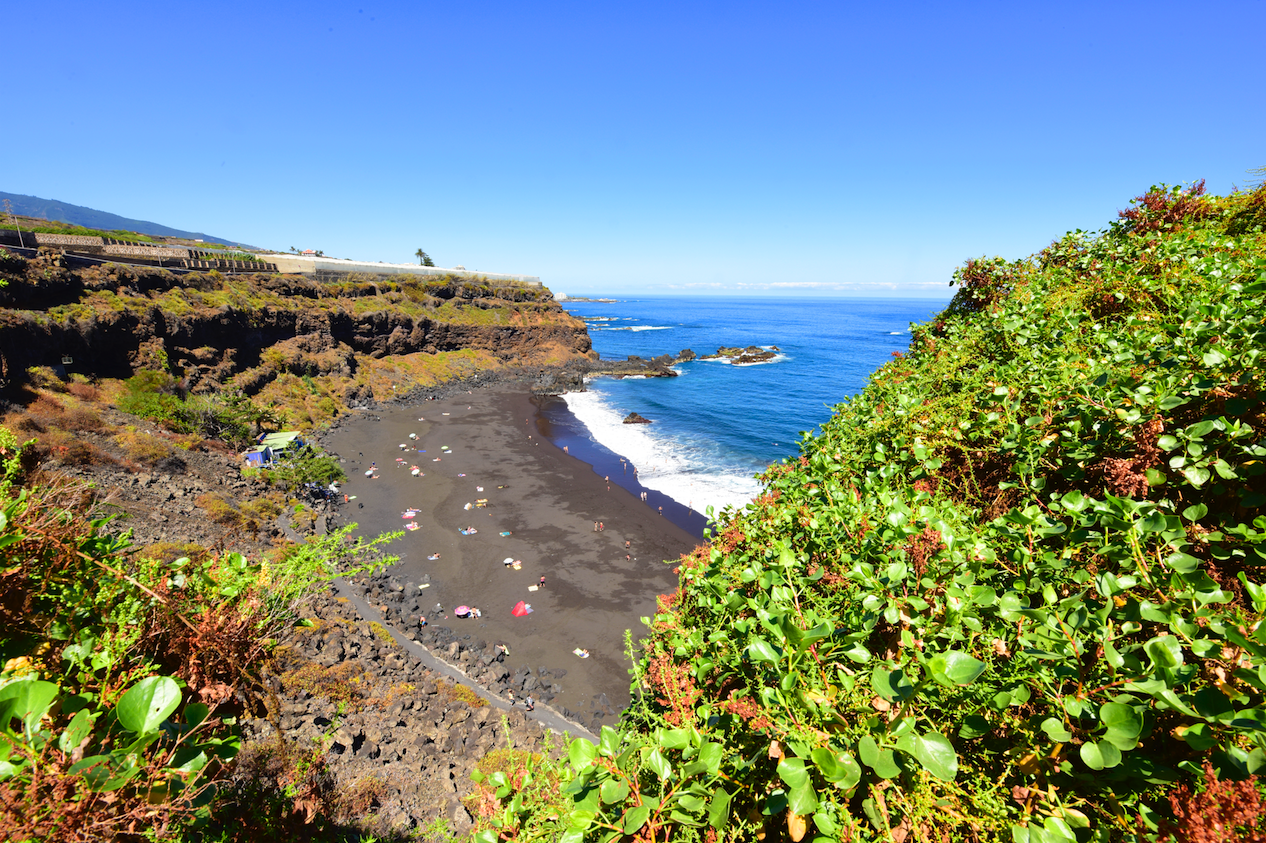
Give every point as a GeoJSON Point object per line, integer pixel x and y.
{"type": "Point", "coordinates": [259, 456]}
{"type": "Point", "coordinates": [283, 441]}
{"type": "Point", "coordinates": [520, 609]}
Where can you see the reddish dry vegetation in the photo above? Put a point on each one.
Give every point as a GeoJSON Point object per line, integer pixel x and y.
{"type": "Point", "coordinates": [1221, 812]}
{"type": "Point", "coordinates": [1160, 208]}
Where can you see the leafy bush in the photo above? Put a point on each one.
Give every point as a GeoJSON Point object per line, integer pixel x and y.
{"type": "Point", "coordinates": [122, 674]}
{"type": "Point", "coordinates": [1013, 590]}
{"type": "Point", "coordinates": [228, 416]}
{"type": "Point", "coordinates": [306, 465]}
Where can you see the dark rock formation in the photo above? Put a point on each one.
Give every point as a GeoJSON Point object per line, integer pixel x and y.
{"type": "Point", "coordinates": [634, 418]}
{"type": "Point", "coordinates": [114, 319]}
{"type": "Point", "coordinates": [740, 356]}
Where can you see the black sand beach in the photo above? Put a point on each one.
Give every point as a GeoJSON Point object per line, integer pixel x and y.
{"type": "Point", "coordinates": [546, 499]}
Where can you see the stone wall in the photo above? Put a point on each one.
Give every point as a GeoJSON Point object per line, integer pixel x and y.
{"type": "Point", "coordinates": [153, 252]}
{"type": "Point", "coordinates": [44, 239]}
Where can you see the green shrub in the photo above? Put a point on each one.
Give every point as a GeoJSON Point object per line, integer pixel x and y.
{"type": "Point", "coordinates": [1013, 590]}
{"type": "Point", "coordinates": [306, 465]}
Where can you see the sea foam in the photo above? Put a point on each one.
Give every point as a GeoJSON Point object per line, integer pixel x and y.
{"type": "Point", "coordinates": [677, 469]}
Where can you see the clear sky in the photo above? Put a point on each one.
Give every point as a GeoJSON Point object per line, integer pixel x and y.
{"type": "Point", "coordinates": [683, 147]}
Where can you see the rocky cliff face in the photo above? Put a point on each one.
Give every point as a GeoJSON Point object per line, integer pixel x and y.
{"type": "Point", "coordinates": [360, 338]}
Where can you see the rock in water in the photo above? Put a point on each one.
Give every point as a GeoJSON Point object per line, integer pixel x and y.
{"type": "Point", "coordinates": [634, 418]}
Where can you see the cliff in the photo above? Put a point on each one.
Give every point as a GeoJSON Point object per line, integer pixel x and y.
{"type": "Point", "coordinates": [309, 345]}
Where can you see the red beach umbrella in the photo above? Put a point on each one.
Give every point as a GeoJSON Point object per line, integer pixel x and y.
{"type": "Point", "coordinates": [520, 609]}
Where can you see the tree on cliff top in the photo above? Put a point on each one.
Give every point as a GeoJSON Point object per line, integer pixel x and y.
{"type": "Point", "coordinates": [424, 258]}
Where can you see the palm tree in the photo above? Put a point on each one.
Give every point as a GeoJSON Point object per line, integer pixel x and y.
{"type": "Point", "coordinates": [423, 258]}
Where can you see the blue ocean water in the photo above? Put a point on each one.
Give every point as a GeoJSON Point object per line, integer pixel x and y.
{"type": "Point", "coordinates": [717, 425]}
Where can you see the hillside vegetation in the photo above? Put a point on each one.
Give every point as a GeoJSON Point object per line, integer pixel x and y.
{"type": "Point", "coordinates": [309, 348]}
{"type": "Point", "coordinates": [1013, 591]}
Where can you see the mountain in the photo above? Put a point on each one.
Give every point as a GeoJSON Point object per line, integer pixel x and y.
{"type": "Point", "coordinates": [55, 209]}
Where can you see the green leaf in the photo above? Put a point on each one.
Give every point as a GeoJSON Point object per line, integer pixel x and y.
{"type": "Point", "coordinates": [882, 761]}
{"type": "Point", "coordinates": [760, 650]}
{"type": "Point", "coordinates": [955, 668]}
{"type": "Point", "coordinates": [614, 790]}
{"type": "Point", "coordinates": [935, 752]}
{"type": "Point", "coordinates": [1196, 512]}
{"type": "Point", "coordinates": [608, 742]}
{"type": "Point", "coordinates": [1196, 475]}
{"type": "Point", "coordinates": [792, 772]}
{"type": "Point", "coordinates": [659, 764]}
{"type": "Point", "coordinates": [673, 738]}
{"type": "Point", "coordinates": [1100, 756]}
{"type": "Point", "coordinates": [973, 727]}
{"type": "Point", "coordinates": [1074, 501]}
{"type": "Point", "coordinates": [800, 796]}
{"type": "Point", "coordinates": [79, 727]}
{"type": "Point", "coordinates": [147, 704]}
{"type": "Point", "coordinates": [1164, 651]}
{"type": "Point", "coordinates": [892, 685]}
{"type": "Point", "coordinates": [836, 767]}
{"type": "Point", "coordinates": [1056, 731]}
{"type": "Point", "coordinates": [581, 754]}
{"type": "Point", "coordinates": [858, 653]}
{"type": "Point", "coordinates": [635, 818]}
{"type": "Point", "coordinates": [195, 713]}
{"type": "Point", "coordinates": [718, 813]}
{"type": "Point", "coordinates": [1123, 723]}
{"type": "Point", "coordinates": [27, 700]}
{"type": "Point", "coordinates": [1255, 592]}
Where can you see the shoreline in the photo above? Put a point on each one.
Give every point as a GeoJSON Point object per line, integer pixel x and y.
{"type": "Point", "coordinates": [548, 501]}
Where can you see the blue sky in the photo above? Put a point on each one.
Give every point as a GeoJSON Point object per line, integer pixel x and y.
{"type": "Point", "coordinates": [736, 148]}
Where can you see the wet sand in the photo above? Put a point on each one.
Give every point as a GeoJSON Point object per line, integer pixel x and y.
{"type": "Point", "coordinates": [547, 499]}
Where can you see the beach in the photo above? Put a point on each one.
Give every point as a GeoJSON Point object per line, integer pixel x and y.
{"type": "Point", "coordinates": [546, 500]}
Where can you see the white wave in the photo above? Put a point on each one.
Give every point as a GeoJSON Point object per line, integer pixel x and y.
{"type": "Point", "coordinates": [895, 333]}
{"type": "Point", "coordinates": [662, 464]}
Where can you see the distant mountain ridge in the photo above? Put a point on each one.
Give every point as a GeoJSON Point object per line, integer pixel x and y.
{"type": "Point", "coordinates": [54, 209]}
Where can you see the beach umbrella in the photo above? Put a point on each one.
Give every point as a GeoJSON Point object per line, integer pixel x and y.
{"type": "Point", "coordinates": [462, 610]}
{"type": "Point", "coordinates": [509, 560]}
{"type": "Point", "coordinates": [520, 609]}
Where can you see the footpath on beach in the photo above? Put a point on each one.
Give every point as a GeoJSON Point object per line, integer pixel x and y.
{"type": "Point", "coordinates": [477, 460]}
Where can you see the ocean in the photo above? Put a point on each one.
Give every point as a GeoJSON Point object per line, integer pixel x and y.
{"type": "Point", "coordinates": [718, 425]}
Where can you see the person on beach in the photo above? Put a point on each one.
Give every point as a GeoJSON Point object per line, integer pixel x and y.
{"type": "Point", "coordinates": [529, 703]}
{"type": "Point", "coordinates": [542, 585]}
{"type": "Point", "coordinates": [626, 542]}
{"type": "Point", "coordinates": [595, 526]}
{"type": "Point", "coordinates": [661, 510]}
{"type": "Point", "coordinates": [601, 526]}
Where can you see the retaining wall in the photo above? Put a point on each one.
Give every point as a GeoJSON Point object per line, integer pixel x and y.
{"type": "Point", "coordinates": [43, 239]}
{"type": "Point", "coordinates": [146, 251]}
{"type": "Point", "coordinates": [292, 264]}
